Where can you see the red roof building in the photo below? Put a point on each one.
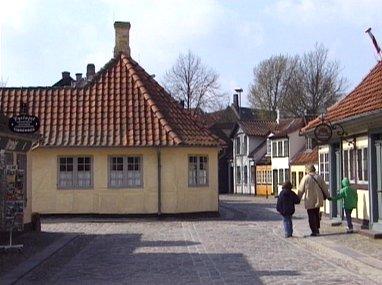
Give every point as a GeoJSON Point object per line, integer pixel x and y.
{"type": "Point", "coordinates": [117, 133]}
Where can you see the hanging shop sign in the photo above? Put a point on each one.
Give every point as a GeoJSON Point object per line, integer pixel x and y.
{"type": "Point", "coordinates": [24, 124]}
{"type": "Point", "coordinates": [323, 132]}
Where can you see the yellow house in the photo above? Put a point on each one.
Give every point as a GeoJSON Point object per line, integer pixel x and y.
{"type": "Point", "coordinates": [298, 164]}
{"type": "Point", "coordinates": [115, 142]}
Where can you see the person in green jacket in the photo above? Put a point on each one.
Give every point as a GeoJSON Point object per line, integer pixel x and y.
{"type": "Point", "coordinates": [350, 198]}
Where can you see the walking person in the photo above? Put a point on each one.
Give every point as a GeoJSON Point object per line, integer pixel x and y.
{"type": "Point", "coordinates": [285, 206]}
{"type": "Point", "coordinates": [316, 191]}
{"type": "Point", "coordinates": [350, 198]}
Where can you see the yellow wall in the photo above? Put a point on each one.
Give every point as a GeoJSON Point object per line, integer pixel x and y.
{"type": "Point", "coordinates": [263, 188]}
{"type": "Point", "coordinates": [297, 169]}
{"type": "Point", "coordinates": [177, 197]}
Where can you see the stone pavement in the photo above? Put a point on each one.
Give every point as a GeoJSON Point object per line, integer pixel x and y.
{"type": "Point", "coordinates": [244, 246]}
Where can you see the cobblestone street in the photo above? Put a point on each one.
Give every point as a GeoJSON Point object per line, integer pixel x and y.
{"type": "Point", "coordinates": [244, 246]}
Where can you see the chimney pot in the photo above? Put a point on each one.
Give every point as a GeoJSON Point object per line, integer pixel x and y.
{"type": "Point", "coordinates": [121, 38]}
{"type": "Point", "coordinates": [65, 74]}
{"type": "Point", "coordinates": [78, 77]}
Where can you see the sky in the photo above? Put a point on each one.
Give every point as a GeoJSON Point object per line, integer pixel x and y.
{"type": "Point", "coordinates": [40, 39]}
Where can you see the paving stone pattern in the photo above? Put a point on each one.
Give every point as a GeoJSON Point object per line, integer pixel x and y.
{"type": "Point", "coordinates": [244, 246]}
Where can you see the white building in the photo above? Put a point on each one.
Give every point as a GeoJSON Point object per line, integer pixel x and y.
{"type": "Point", "coordinates": [284, 143]}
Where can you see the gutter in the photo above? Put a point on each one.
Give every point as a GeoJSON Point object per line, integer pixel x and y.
{"type": "Point", "coordinates": [159, 182]}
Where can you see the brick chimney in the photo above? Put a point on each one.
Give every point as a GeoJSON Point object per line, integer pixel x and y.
{"type": "Point", "coordinates": [90, 71]}
{"type": "Point", "coordinates": [121, 38]}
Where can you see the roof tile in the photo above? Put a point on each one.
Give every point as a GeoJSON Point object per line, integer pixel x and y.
{"type": "Point", "coordinates": [121, 106]}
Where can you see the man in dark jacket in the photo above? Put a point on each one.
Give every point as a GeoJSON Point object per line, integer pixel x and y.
{"type": "Point", "coordinates": [285, 206]}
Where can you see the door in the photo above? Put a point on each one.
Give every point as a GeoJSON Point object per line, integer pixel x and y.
{"type": "Point", "coordinates": [378, 147]}
{"type": "Point", "coordinates": [275, 182]}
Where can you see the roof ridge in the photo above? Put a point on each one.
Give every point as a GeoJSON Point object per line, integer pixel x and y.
{"type": "Point", "coordinates": [127, 61]}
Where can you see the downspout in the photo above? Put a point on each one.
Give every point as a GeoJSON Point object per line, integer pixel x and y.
{"type": "Point", "coordinates": [159, 182]}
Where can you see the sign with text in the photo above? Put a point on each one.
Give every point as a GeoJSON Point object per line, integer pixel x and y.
{"type": "Point", "coordinates": [323, 132]}
{"type": "Point", "coordinates": [24, 124]}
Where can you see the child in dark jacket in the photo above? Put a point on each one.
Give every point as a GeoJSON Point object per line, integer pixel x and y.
{"type": "Point", "coordinates": [285, 206]}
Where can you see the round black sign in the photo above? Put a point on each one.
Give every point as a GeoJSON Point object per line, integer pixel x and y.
{"type": "Point", "coordinates": [24, 124]}
{"type": "Point", "coordinates": [323, 132]}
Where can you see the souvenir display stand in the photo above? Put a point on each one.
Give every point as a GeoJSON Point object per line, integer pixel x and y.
{"type": "Point", "coordinates": [11, 200]}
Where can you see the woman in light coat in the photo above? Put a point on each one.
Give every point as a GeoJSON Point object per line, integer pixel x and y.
{"type": "Point", "coordinates": [316, 191]}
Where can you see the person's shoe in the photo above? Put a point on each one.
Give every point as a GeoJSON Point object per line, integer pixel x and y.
{"type": "Point", "coordinates": [314, 234]}
{"type": "Point", "coordinates": [349, 231]}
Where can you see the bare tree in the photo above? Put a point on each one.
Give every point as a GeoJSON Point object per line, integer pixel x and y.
{"type": "Point", "coordinates": [316, 84]}
{"type": "Point", "coordinates": [271, 82]}
{"type": "Point", "coordinates": [194, 83]}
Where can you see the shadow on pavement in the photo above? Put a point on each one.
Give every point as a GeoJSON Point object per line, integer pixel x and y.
{"type": "Point", "coordinates": [125, 258]}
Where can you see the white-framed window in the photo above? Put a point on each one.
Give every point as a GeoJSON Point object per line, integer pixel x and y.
{"type": "Point", "coordinates": [245, 141]}
{"type": "Point", "coordinates": [286, 174]}
{"type": "Point", "coordinates": [258, 178]}
{"type": "Point", "coordinates": [362, 170]}
{"type": "Point", "coordinates": [245, 174]}
{"type": "Point", "coordinates": [75, 172]}
{"type": "Point", "coordinates": [269, 147]}
{"type": "Point", "coordinates": [324, 165]}
{"type": "Point", "coordinates": [238, 175]}
{"type": "Point", "coordinates": [269, 176]}
{"type": "Point", "coordinates": [281, 176]}
{"type": "Point", "coordinates": [125, 172]}
{"type": "Point", "coordinates": [197, 170]}
{"type": "Point", "coordinates": [286, 148]}
{"type": "Point", "coordinates": [280, 148]}
{"type": "Point", "coordinates": [274, 149]}
{"type": "Point", "coordinates": [349, 164]}
{"type": "Point", "coordinates": [238, 145]}
{"type": "Point", "coordinates": [294, 179]}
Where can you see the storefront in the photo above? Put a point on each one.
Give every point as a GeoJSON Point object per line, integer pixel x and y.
{"type": "Point", "coordinates": [15, 193]}
{"type": "Point", "coordinates": [353, 148]}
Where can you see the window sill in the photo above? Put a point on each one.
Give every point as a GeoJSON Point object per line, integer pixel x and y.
{"type": "Point", "coordinates": [71, 188]}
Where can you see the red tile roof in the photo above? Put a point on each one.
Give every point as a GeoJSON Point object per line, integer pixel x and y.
{"type": "Point", "coordinates": [365, 98]}
{"type": "Point", "coordinates": [258, 128]}
{"type": "Point", "coordinates": [305, 157]}
{"type": "Point", "coordinates": [287, 126]}
{"type": "Point", "coordinates": [122, 106]}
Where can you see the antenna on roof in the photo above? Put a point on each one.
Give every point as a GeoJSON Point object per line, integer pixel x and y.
{"type": "Point", "coordinates": [375, 43]}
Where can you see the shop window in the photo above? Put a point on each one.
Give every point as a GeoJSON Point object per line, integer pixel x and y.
{"type": "Point", "coordinates": [125, 171]}
{"type": "Point", "coordinates": [346, 163]}
{"type": "Point", "coordinates": [324, 166]}
{"type": "Point", "coordinates": [75, 172]}
{"type": "Point", "coordinates": [286, 173]}
{"type": "Point", "coordinates": [362, 171]}
{"type": "Point", "coordinates": [197, 170]}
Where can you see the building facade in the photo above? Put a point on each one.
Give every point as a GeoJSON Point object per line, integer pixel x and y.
{"type": "Point", "coordinates": [355, 148]}
{"type": "Point", "coordinates": [117, 143]}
